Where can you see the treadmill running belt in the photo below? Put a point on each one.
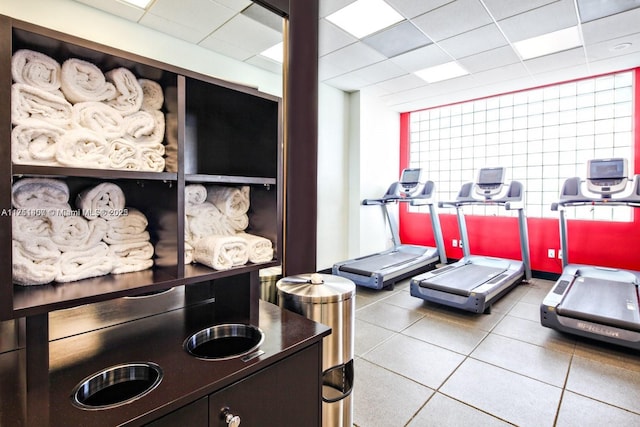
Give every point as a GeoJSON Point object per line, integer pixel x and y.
{"type": "Point", "coordinates": [602, 301]}
{"type": "Point", "coordinates": [462, 280]}
{"type": "Point", "coordinates": [368, 265]}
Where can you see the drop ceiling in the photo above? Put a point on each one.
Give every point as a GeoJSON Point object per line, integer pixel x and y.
{"type": "Point", "coordinates": [478, 34]}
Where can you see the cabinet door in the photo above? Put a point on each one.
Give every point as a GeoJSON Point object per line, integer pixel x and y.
{"type": "Point", "coordinates": [285, 394]}
{"type": "Point", "coordinates": [195, 414]}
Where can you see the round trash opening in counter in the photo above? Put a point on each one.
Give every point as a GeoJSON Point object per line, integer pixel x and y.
{"type": "Point", "coordinates": [117, 385]}
{"type": "Point", "coordinates": [224, 341]}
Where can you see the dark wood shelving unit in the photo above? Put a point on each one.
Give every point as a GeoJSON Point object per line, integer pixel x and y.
{"type": "Point", "coordinates": [227, 134]}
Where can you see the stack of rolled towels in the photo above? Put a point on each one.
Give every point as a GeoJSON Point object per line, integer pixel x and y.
{"type": "Point", "coordinates": [215, 228]}
{"type": "Point", "coordinates": [52, 242]}
{"type": "Point", "coordinates": [75, 115]}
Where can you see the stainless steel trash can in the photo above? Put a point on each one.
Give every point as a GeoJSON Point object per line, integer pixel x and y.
{"type": "Point", "coordinates": [329, 300]}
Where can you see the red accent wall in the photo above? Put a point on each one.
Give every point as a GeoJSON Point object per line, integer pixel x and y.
{"type": "Point", "coordinates": [610, 244]}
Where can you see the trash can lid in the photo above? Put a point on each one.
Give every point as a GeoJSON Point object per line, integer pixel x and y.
{"type": "Point", "coordinates": [316, 287]}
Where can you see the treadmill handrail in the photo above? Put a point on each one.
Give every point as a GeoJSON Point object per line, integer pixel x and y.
{"type": "Point", "coordinates": [423, 198]}
{"type": "Point", "coordinates": [513, 200]}
{"type": "Point", "coordinates": [572, 195]}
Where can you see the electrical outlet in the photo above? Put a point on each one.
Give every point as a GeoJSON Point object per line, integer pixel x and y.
{"type": "Point", "coordinates": [460, 243]}
{"type": "Point", "coordinates": [559, 253]}
{"type": "Point", "coordinates": [454, 242]}
{"type": "Point", "coordinates": [551, 253]}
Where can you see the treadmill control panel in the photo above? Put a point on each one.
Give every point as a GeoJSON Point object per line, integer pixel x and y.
{"type": "Point", "coordinates": [410, 181]}
{"type": "Point", "coordinates": [490, 181]}
{"type": "Point", "coordinates": [607, 176]}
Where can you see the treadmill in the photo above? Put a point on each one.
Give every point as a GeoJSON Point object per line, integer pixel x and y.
{"type": "Point", "coordinates": [475, 282]}
{"type": "Point", "coordinates": [384, 269]}
{"type": "Point", "coordinates": [592, 301]}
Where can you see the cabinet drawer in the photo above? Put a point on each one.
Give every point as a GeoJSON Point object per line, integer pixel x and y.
{"type": "Point", "coordinates": [285, 394]}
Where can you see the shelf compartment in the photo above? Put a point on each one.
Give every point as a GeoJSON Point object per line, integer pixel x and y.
{"type": "Point", "coordinates": [31, 300]}
{"type": "Point", "coordinates": [230, 132]}
{"type": "Point", "coordinates": [61, 172]}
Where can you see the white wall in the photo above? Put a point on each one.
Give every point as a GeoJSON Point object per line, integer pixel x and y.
{"type": "Point", "coordinates": [378, 167]}
{"type": "Point", "coordinates": [77, 19]}
{"type": "Point", "coordinates": [358, 158]}
{"type": "Point", "coordinates": [333, 167]}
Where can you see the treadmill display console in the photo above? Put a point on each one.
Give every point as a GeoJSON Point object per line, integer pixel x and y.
{"type": "Point", "coordinates": [410, 179]}
{"type": "Point", "coordinates": [607, 176]}
{"type": "Point", "coordinates": [490, 181]}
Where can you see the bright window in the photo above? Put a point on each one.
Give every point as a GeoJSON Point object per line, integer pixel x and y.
{"type": "Point", "coordinates": [542, 136]}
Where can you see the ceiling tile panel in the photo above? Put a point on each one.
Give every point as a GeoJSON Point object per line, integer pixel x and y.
{"type": "Point", "coordinates": [546, 19]}
{"type": "Point", "coordinates": [332, 38]}
{"type": "Point", "coordinates": [379, 72]}
{"type": "Point", "coordinates": [422, 58]}
{"type": "Point", "coordinates": [490, 59]}
{"type": "Point", "coordinates": [453, 18]}
{"type": "Point", "coordinates": [397, 39]}
{"type": "Point", "coordinates": [209, 16]}
{"type": "Point", "coordinates": [352, 57]}
{"type": "Point", "coordinates": [413, 8]}
{"type": "Point", "coordinates": [173, 28]}
{"type": "Point", "coordinates": [615, 47]}
{"type": "Point", "coordinates": [595, 9]}
{"type": "Point", "coordinates": [399, 84]}
{"type": "Point", "coordinates": [237, 5]}
{"type": "Point", "coordinates": [246, 34]}
{"type": "Point", "coordinates": [556, 61]}
{"type": "Point", "coordinates": [117, 8]}
{"type": "Point", "coordinates": [501, 9]}
{"type": "Point", "coordinates": [474, 41]}
{"type": "Point", "coordinates": [611, 27]}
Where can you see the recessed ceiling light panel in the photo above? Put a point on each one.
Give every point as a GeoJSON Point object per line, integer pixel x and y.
{"type": "Point", "coordinates": [142, 4]}
{"type": "Point", "coordinates": [275, 52]}
{"type": "Point", "coordinates": [364, 17]}
{"type": "Point", "coordinates": [549, 43]}
{"type": "Point", "coordinates": [448, 70]}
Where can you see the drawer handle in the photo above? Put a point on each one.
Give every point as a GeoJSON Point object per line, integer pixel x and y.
{"type": "Point", "coordinates": [229, 418]}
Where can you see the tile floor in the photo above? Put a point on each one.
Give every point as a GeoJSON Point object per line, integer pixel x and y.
{"type": "Point", "coordinates": [421, 364]}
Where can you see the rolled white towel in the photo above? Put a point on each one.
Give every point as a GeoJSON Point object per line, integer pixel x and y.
{"type": "Point", "coordinates": [204, 220]}
{"type": "Point", "coordinates": [128, 228]}
{"type": "Point", "coordinates": [105, 200]}
{"type": "Point", "coordinates": [260, 248]}
{"type": "Point", "coordinates": [83, 148]}
{"type": "Point", "coordinates": [76, 233]}
{"type": "Point", "coordinates": [83, 81]}
{"type": "Point", "coordinates": [34, 142]}
{"type": "Point", "coordinates": [98, 117]}
{"type": "Point", "coordinates": [123, 154]}
{"type": "Point", "coordinates": [194, 194]}
{"type": "Point", "coordinates": [35, 262]}
{"type": "Point", "coordinates": [35, 69]}
{"type": "Point", "coordinates": [29, 102]}
{"type": "Point", "coordinates": [24, 227]}
{"type": "Point", "coordinates": [153, 98]}
{"type": "Point", "coordinates": [129, 95]}
{"type": "Point", "coordinates": [221, 252]}
{"type": "Point", "coordinates": [131, 256]}
{"type": "Point", "coordinates": [151, 158]}
{"type": "Point", "coordinates": [39, 193]}
{"type": "Point", "coordinates": [238, 223]}
{"type": "Point", "coordinates": [92, 262]}
{"type": "Point", "coordinates": [232, 201]}
{"type": "Point", "coordinates": [145, 127]}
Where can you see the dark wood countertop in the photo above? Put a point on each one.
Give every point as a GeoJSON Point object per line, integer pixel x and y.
{"type": "Point", "coordinates": [158, 339]}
